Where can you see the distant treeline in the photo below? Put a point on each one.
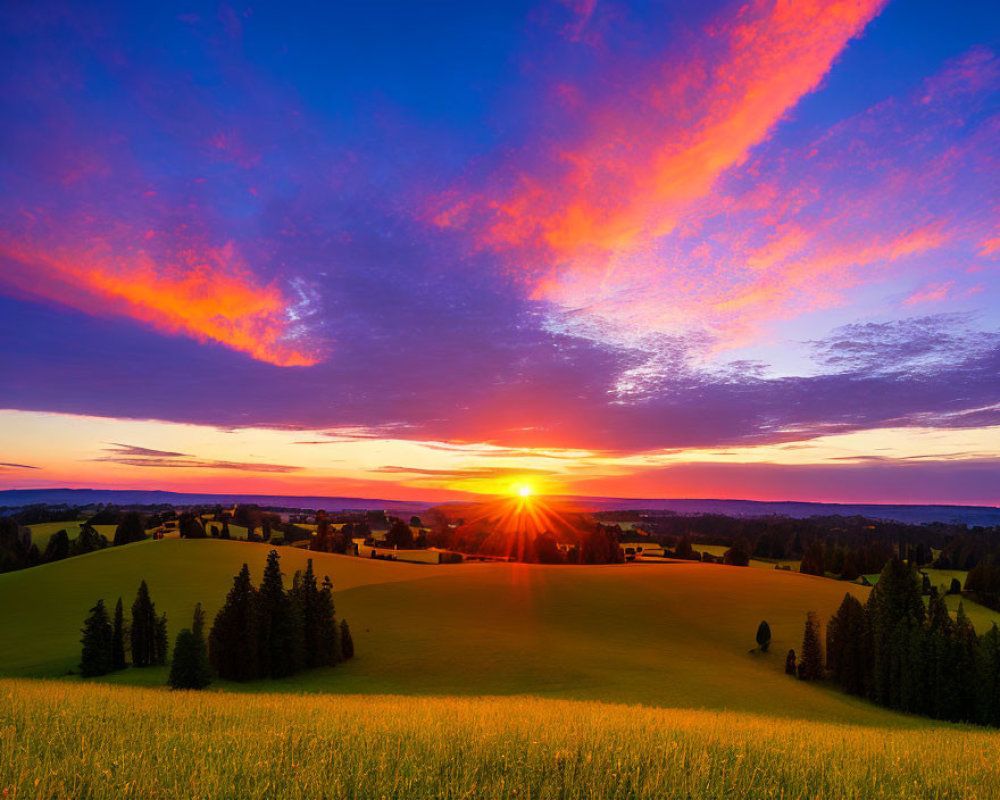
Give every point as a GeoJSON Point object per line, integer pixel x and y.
{"type": "Point", "coordinates": [904, 655]}
{"type": "Point", "coordinates": [260, 632]}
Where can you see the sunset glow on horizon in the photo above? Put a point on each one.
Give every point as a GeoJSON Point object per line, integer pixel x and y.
{"type": "Point", "coordinates": [718, 250]}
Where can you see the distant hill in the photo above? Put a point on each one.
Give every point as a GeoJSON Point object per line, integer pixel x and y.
{"type": "Point", "coordinates": [124, 497]}
{"type": "Point", "coordinates": [915, 514]}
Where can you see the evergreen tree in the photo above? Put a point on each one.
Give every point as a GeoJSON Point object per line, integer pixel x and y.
{"type": "Point", "coordinates": [306, 595]}
{"type": "Point", "coordinates": [189, 668]}
{"type": "Point", "coordinates": [988, 677]}
{"type": "Point", "coordinates": [118, 638]}
{"type": "Point", "coordinates": [964, 658]}
{"type": "Point", "coordinates": [232, 642]}
{"type": "Point", "coordinates": [96, 658]}
{"type": "Point", "coordinates": [280, 648]}
{"type": "Point", "coordinates": [811, 664]}
{"type": "Point", "coordinates": [160, 641]}
{"type": "Point", "coordinates": [764, 636]}
{"type": "Point", "coordinates": [143, 631]}
{"type": "Point", "coordinates": [790, 668]}
{"type": "Point", "coordinates": [894, 603]}
{"type": "Point", "coordinates": [346, 641]}
{"type": "Point", "coordinates": [58, 547]}
{"type": "Point", "coordinates": [328, 642]}
{"type": "Point", "coordinates": [129, 529]}
{"type": "Point", "coordinates": [845, 645]}
{"type": "Point", "coordinates": [198, 623]}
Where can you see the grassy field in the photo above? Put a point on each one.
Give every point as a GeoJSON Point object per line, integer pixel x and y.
{"type": "Point", "coordinates": [91, 741]}
{"type": "Point", "coordinates": [495, 680]}
{"type": "Point", "coordinates": [719, 550]}
{"type": "Point", "coordinates": [42, 532]}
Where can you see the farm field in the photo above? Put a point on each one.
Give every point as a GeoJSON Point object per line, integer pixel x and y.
{"type": "Point", "coordinates": [42, 532]}
{"type": "Point", "coordinates": [605, 681]}
{"type": "Point", "coordinates": [719, 550]}
{"type": "Point", "coordinates": [198, 746]}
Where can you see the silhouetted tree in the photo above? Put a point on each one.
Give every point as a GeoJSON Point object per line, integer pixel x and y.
{"type": "Point", "coordinates": [328, 644]}
{"type": "Point", "coordinates": [399, 536]}
{"type": "Point", "coordinates": [280, 645]}
{"type": "Point", "coordinates": [845, 645]}
{"type": "Point", "coordinates": [118, 638]}
{"type": "Point", "coordinates": [956, 587]}
{"type": "Point", "coordinates": [87, 541]}
{"type": "Point", "coordinates": [143, 630]}
{"type": "Point", "coordinates": [160, 641]}
{"type": "Point", "coordinates": [189, 668]}
{"type": "Point", "coordinates": [811, 664]}
{"type": "Point", "coordinates": [130, 529]}
{"type": "Point", "coordinates": [764, 636]}
{"type": "Point", "coordinates": [346, 641]}
{"type": "Point", "coordinates": [233, 640]}
{"type": "Point", "coordinates": [96, 658]}
{"type": "Point", "coordinates": [739, 554]}
{"type": "Point", "coordinates": [790, 668]}
{"type": "Point", "coordinates": [813, 561]}
{"type": "Point", "coordinates": [58, 547]}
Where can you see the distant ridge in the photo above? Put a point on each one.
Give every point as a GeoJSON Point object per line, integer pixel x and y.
{"type": "Point", "coordinates": [969, 515]}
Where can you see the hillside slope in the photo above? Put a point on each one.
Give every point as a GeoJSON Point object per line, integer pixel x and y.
{"type": "Point", "coordinates": [674, 635]}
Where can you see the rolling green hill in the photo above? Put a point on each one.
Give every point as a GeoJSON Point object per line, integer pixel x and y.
{"type": "Point", "coordinates": [672, 636]}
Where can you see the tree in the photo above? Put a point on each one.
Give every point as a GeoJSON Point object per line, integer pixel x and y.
{"type": "Point", "coordinates": [96, 658]}
{"type": "Point", "coordinates": [399, 536]}
{"type": "Point", "coordinates": [189, 526]}
{"type": "Point", "coordinates": [160, 641]}
{"type": "Point", "coordinates": [328, 639]}
{"type": "Point", "coordinates": [790, 663]}
{"type": "Point", "coordinates": [143, 632]}
{"type": "Point", "coordinates": [739, 554]}
{"type": "Point", "coordinates": [988, 679]}
{"type": "Point", "coordinates": [956, 587]}
{"type": "Point", "coordinates": [346, 642]}
{"type": "Point", "coordinates": [811, 664]}
{"type": "Point", "coordinates": [129, 530]}
{"type": "Point", "coordinates": [118, 638]}
{"type": "Point", "coordinates": [764, 636]}
{"type": "Point", "coordinates": [813, 561]}
{"type": "Point", "coordinates": [849, 569]}
{"type": "Point", "coordinates": [189, 668]}
{"type": "Point", "coordinates": [58, 547]}
{"type": "Point", "coordinates": [87, 541]}
{"type": "Point", "coordinates": [894, 605]}
{"type": "Point", "coordinates": [845, 645]}
{"type": "Point", "coordinates": [280, 647]}
{"type": "Point", "coordinates": [232, 642]}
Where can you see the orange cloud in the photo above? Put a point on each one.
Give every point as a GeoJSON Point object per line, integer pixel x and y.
{"type": "Point", "coordinates": [207, 294]}
{"type": "Point", "coordinates": [930, 293]}
{"type": "Point", "coordinates": [650, 156]}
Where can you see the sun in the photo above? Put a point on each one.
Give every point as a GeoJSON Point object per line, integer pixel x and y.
{"type": "Point", "coordinates": [524, 490]}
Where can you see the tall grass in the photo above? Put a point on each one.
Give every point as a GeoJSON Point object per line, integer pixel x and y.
{"type": "Point", "coordinates": [73, 740]}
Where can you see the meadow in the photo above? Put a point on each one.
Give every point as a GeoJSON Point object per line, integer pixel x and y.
{"type": "Point", "coordinates": [92, 741]}
{"type": "Point", "coordinates": [476, 680]}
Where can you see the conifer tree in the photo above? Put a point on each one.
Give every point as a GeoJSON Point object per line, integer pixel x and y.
{"type": "Point", "coordinates": [327, 631]}
{"type": "Point", "coordinates": [811, 664]}
{"type": "Point", "coordinates": [764, 636]}
{"type": "Point", "coordinates": [790, 667]}
{"type": "Point", "coordinates": [58, 547]}
{"type": "Point", "coordinates": [160, 641]}
{"type": "Point", "coordinates": [96, 658]}
{"type": "Point", "coordinates": [280, 648]}
{"type": "Point", "coordinates": [129, 529]}
{"type": "Point", "coordinates": [346, 641]}
{"type": "Point", "coordinates": [118, 638]}
{"type": "Point", "coordinates": [198, 623]}
{"type": "Point", "coordinates": [143, 631]}
{"type": "Point", "coordinates": [232, 642]}
{"type": "Point", "coordinates": [306, 594]}
{"type": "Point", "coordinates": [189, 668]}
{"type": "Point", "coordinates": [988, 677]}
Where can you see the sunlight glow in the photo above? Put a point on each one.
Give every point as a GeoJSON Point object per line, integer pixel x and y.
{"type": "Point", "coordinates": [524, 490]}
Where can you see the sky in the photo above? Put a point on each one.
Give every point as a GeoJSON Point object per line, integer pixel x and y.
{"type": "Point", "coordinates": [420, 250]}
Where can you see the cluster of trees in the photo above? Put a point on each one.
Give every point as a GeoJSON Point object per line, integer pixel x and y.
{"type": "Point", "coordinates": [268, 632]}
{"type": "Point", "coordinates": [983, 581]}
{"type": "Point", "coordinates": [903, 655]}
{"type": "Point", "coordinates": [106, 640]}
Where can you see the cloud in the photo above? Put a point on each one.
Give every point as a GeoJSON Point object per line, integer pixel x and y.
{"type": "Point", "coordinates": [4, 465]}
{"type": "Point", "coordinates": [206, 293]}
{"type": "Point", "coordinates": [465, 473]}
{"type": "Point", "coordinates": [131, 456]}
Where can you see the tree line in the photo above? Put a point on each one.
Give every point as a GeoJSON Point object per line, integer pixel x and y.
{"type": "Point", "coordinates": [901, 654]}
{"type": "Point", "coordinates": [260, 632]}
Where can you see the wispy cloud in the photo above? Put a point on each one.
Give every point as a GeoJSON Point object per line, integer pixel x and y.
{"type": "Point", "coordinates": [132, 456]}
